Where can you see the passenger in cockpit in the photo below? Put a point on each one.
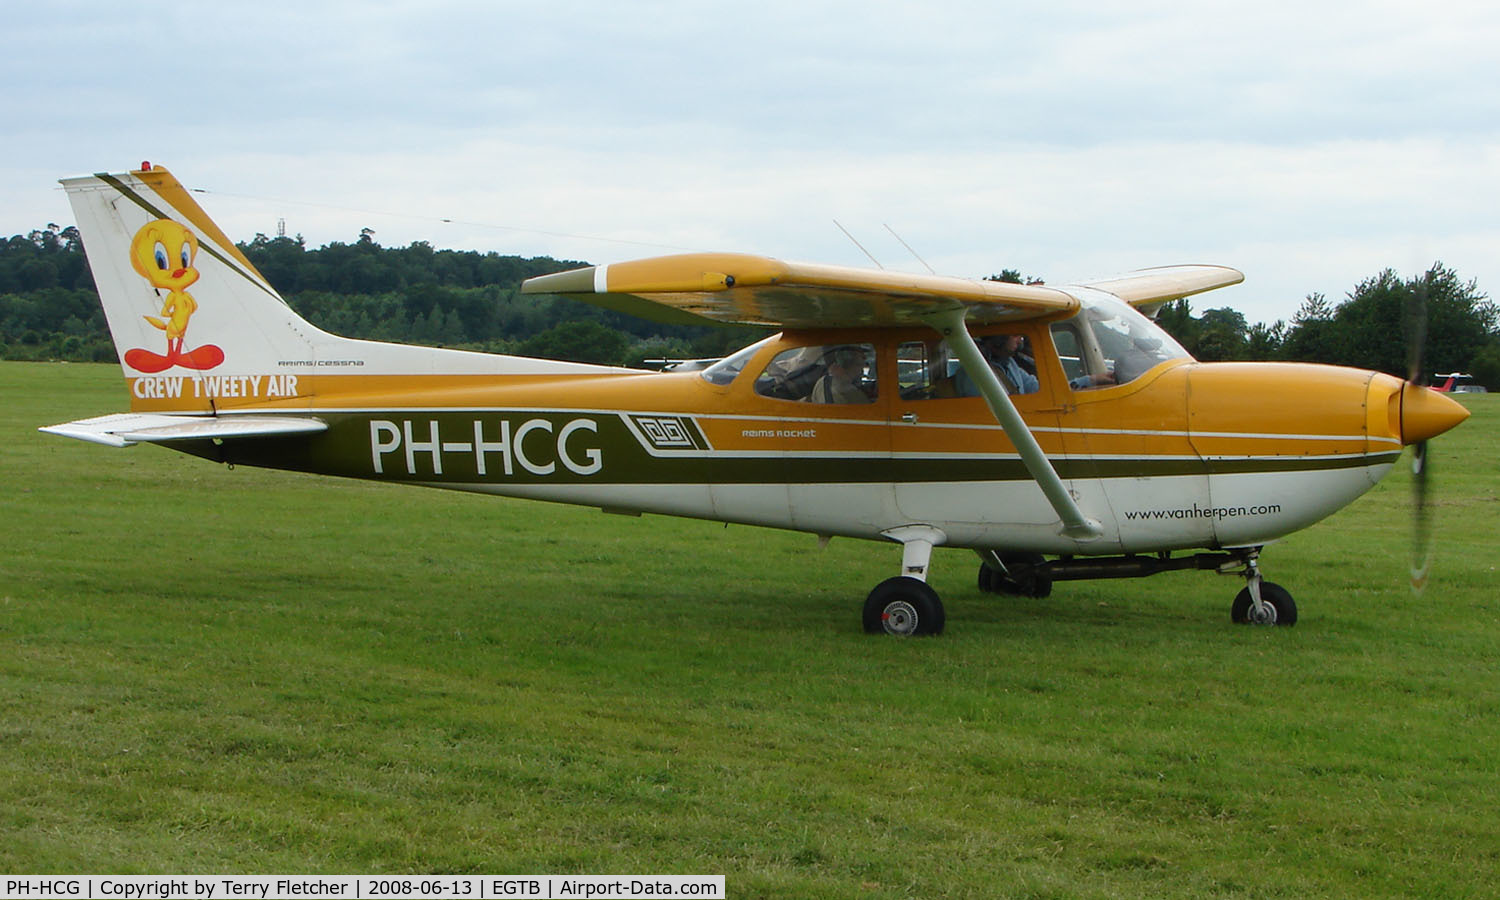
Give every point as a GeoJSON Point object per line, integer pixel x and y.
{"type": "Point", "coordinates": [1000, 351]}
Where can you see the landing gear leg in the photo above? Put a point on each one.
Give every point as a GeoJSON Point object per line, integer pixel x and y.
{"type": "Point", "coordinates": [906, 605]}
{"type": "Point", "coordinates": [1262, 602]}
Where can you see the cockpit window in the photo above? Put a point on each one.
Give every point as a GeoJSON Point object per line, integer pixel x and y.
{"type": "Point", "coordinates": [822, 373]}
{"type": "Point", "coordinates": [1109, 342]}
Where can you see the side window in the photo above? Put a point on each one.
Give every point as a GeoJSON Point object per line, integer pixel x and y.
{"type": "Point", "coordinates": [822, 373]}
{"type": "Point", "coordinates": [929, 370]}
{"type": "Point", "coordinates": [1079, 352]}
{"type": "Point", "coordinates": [1010, 358]}
{"type": "Point", "coordinates": [925, 370]}
{"type": "Point", "coordinates": [1070, 350]}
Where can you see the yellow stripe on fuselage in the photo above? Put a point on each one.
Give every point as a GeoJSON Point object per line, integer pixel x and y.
{"type": "Point", "coordinates": [1179, 410]}
{"type": "Point", "coordinates": [1157, 422]}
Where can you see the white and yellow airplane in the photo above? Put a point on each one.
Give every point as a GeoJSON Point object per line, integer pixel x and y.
{"type": "Point", "coordinates": [1019, 421]}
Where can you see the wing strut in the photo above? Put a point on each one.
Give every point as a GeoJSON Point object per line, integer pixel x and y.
{"type": "Point", "coordinates": [950, 324]}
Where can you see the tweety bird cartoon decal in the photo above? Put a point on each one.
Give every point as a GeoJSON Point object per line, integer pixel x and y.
{"type": "Point", "coordinates": [163, 252]}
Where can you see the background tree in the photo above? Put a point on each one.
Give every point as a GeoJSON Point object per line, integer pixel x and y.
{"type": "Point", "coordinates": [1013, 276]}
{"type": "Point", "coordinates": [1462, 322]}
{"type": "Point", "coordinates": [1222, 335]}
{"type": "Point", "coordinates": [1264, 341]}
{"type": "Point", "coordinates": [1485, 366]}
{"type": "Point", "coordinates": [1176, 318]}
{"type": "Point", "coordinates": [1371, 329]}
{"type": "Point", "coordinates": [590, 342]}
{"type": "Point", "coordinates": [1311, 337]}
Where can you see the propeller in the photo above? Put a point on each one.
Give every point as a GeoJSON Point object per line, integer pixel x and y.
{"type": "Point", "coordinates": [1421, 466]}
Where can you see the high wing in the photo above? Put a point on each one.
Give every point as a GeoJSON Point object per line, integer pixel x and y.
{"type": "Point", "coordinates": [756, 290]}
{"type": "Point", "coordinates": [1150, 289]}
{"type": "Point", "coordinates": [695, 288]}
{"type": "Point", "coordinates": [125, 429]}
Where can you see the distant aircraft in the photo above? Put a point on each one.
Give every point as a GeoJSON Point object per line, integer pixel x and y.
{"type": "Point", "coordinates": [1457, 383]}
{"type": "Point", "coordinates": [1021, 422]}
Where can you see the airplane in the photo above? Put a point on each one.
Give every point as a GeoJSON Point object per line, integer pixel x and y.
{"type": "Point", "coordinates": [1457, 383]}
{"type": "Point", "coordinates": [1055, 431]}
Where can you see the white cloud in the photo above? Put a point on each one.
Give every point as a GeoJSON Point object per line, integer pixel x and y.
{"type": "Point", "coordinates": [1309, 144]}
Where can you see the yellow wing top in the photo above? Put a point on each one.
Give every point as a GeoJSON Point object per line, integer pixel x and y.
{"type": "Point", "coordinates": [1148, 289]}
{"type": "Point", "coordinates": [733, 288]}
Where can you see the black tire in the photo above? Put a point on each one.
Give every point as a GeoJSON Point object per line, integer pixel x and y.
{"type": "Point", "coordinates": [905, 607]}
{"type": "Point", "coordinates": [1283, 608]}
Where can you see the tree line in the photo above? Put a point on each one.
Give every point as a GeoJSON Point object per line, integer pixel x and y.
{"type": "Point", "coordinates": [417, 294]}
{"type": "Point", "coordinates": [1374, 327]}
{"type": "Point", "coordinates": [49, 308]}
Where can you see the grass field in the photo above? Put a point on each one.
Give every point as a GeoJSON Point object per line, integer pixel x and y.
{"type": "Point", "coordinates": [206, 670]}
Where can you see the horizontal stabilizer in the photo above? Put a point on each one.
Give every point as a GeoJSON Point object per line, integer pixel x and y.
{"type": "Point", "coordinates": [125, 429]}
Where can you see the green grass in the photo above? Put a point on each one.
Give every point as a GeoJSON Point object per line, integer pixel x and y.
{"type": "Point", "coordinates": [205, 670]}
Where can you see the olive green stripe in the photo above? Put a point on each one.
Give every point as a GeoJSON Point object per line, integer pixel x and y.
{"type": "Point", "coordinates": [345, 449]}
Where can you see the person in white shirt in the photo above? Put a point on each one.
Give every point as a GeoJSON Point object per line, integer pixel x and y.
{"type": "Point", "coordinates": [840, 384]}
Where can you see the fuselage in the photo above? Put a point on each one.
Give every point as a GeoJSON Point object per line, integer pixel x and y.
{"type": "Point", "coordinates": [1180, 455]}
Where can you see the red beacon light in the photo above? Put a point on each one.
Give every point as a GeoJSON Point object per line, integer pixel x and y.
{"type": "Point", "coordinates": [145, 165]}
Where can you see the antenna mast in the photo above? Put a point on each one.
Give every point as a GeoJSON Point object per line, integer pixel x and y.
{"type": "Point", "coordinates": [908, 247]}
{"type": "Point", "coordinates": [858, 244]}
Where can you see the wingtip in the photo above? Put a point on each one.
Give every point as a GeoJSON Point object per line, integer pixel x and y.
{"type": "Point", "coordinates": [573, 281]}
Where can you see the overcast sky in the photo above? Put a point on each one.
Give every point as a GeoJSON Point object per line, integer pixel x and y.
{"type": "Point", "coordinates": [1308, 144]}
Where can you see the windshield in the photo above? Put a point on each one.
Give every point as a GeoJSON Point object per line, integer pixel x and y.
{"type": "Point", "coordinates": [728, 369]}
{"type": "Point", "coordinates": [1111, 339]}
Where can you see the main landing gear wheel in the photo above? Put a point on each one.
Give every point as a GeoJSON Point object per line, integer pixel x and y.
{"type": "Point", "coordinates": [1277, 607]}
{"type": "Point", "coordinates": [1020, 581]}
{"type": "Point", "coordinates": [905, 607]}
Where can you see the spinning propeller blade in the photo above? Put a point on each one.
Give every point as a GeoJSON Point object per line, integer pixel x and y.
{"type": "Point", "coordinates": [1421, 550]}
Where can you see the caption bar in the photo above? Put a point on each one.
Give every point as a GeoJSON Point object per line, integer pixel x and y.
{"type": "Point", "coordinates": [398, 887]}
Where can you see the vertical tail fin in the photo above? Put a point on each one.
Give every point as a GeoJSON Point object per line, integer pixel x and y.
{"type": "Point", "coordinates": [180, 298]}
{"type": "Point", "coordinates": [197, 326]}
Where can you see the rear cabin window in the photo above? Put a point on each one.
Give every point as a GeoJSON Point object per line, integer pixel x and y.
{"type": "Point", "coordinates": [925, 370]}
{"type": "Point", "coordinates": [929, 370]}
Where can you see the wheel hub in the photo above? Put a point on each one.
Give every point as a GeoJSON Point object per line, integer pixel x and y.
{"type": "Point", "coordinates": [1265, 615]}
{"type": "Point", "coordinates": [899, 617]}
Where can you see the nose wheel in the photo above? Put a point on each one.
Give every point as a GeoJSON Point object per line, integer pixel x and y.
{"type": "Point", "coordinates": [1276, 607]}
{"type": "Point", "coordinates": [1262, 602]}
